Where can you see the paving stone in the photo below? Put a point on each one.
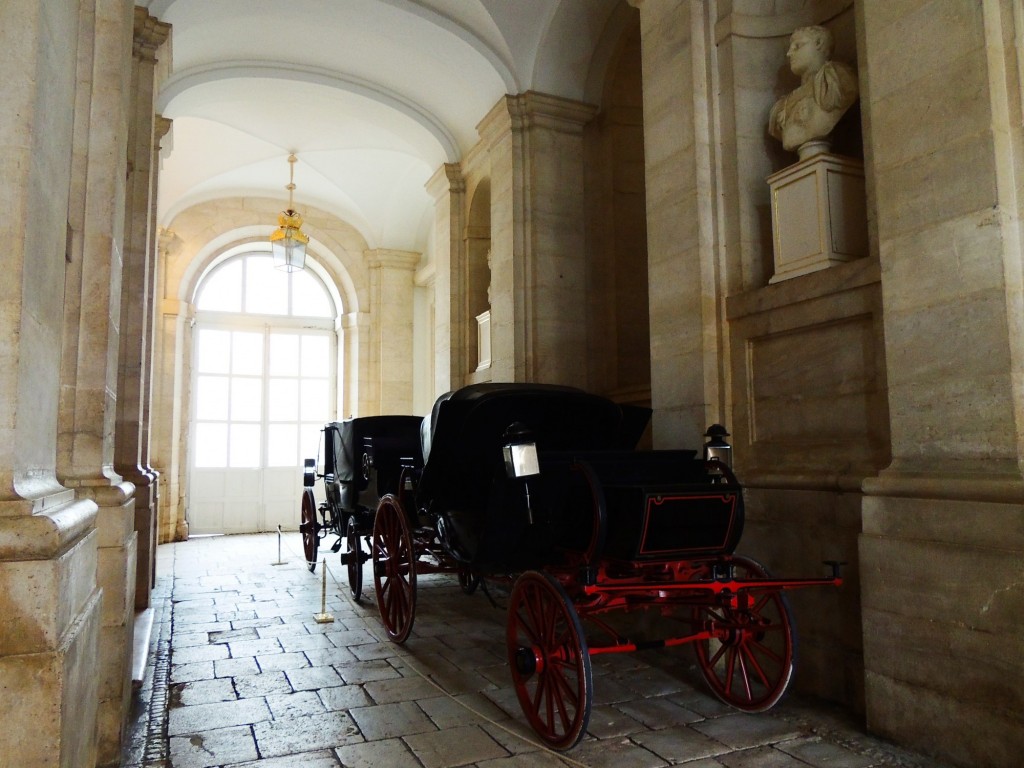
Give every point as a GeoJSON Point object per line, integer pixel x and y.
{"type": "Point", "coordinates": [309, 678]}
{"type": "Point", "coordinates": [400, 689]}
{"type": "Point", "coordinates": [213, 747]}
{"type": "Point", "coordinates": [289, 705]}
{"type": "Point", "coordinates": [821, 754]}
{"type": "Point", "coordinates": [236, 667]}
{"type": "Point", "coordinates": [448, 712]}
{"type": "Point", "coordinates": [532, 760]}
{"type": "Point", "coordinates": [679, 744]}
{"type": "Point", "coordinates": [606, 722]}
{"type": "Point", "coordinates": [368, 671]}
{"type": "Point", "coordinates": [283, 661]}
{"type": "Point", "coordinates": [349, 637]}
{"type": "Point", "coordinates": [187, 639]}
{"type": "Point", "coordinates": [389, 720]}
{"type": "Point", "coordinates": [305, 642]}
{"type": "Point", "coordinates": [258, 648]}
{"type": "Point", "coordinates": [616, 753]}
{"type": "Point", "coordinates": [185, 673]}
{"type": "Point", "coordinates": [375, 754]}
{"type": "Point", "coordinates": [344, 697]}
{"type": "Point", "coordinates": [263, 684]}
{"type": "Point", "coordinates": [205, 717]}
{"type": "Point", "coordinates": [658, 712]}
{"type": "Point", "coordinates": [742, 731]}
{"type": "Point", "coordinates": [276, 738]}
{"type": "Point", "coordinates": [256, 623]}
{"type": "Point", "coordinates": [318, 759]}
{"type": "Point", "coordinates": [199, 653]}
{"type": "Point", "coordinates": [455, 746]}
{"type": "Point", "coordinates": [760, 757]}
{"type": "Point", "coordinates": [201, 692]}
{"type": "Point", "coordinates": [325, 657]}
{"type": "Point", "coordinates": [229, 635]}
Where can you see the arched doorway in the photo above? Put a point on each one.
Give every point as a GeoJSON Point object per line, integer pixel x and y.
{"type": "Point", "coordinates": [264, 381]}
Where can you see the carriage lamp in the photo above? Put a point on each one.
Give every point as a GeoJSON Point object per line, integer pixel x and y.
{"type": "Point", "coordinates": [716, 448]}
{"type": "Point", "coordinates": [521, 462]}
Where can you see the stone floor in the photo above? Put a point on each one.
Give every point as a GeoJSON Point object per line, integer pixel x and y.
{"type": "Point", "coordinates": [242, 675]}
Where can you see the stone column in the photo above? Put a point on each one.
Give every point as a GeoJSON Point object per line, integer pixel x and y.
{"type": "Point", "coordinates": [448, 189]}
{"type": "Point", "coordinates": [538, 245]}
{"type": "Point", "coordinates": [136, 298]}
{"type": "Point", "coordinates": [391, 303]}
{"type": "Point", "coordinates": [91, 339]}
{"type": "Point", "coordinates": [49, 599]}
{"type": "Point", "coordinates": [942, 550]}
{"type": "Point", "coordinates": [685, 291]}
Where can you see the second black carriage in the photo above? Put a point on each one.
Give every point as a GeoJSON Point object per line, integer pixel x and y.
{"type": "Point", "coordinates": [362, 461]}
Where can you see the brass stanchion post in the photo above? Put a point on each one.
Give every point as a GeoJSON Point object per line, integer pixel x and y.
{"type": "Point", "coordinates": [323, 617]}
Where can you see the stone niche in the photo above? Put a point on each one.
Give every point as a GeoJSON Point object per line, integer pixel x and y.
{"type": "Point", "coordinates": [819, 215]}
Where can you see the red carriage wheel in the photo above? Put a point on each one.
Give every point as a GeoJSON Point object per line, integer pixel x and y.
{"type": "Point", "coordinates": [310, 529]}
{"type": "Point", "coordinates": [354, 561]}
{"type": "Point", "coordinates": [394, 569]}
{"type": "Point", "coordinates": [550, 663]}
{"type": "Point", "coordinates": [749, 661]}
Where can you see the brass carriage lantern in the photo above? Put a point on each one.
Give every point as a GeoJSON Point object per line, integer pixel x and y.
{"type": "Point", "coordinates": [716, 448]}
{"type": "Point", "coordinates": [288, 242]}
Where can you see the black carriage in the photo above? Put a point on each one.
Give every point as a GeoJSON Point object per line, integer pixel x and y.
{"type": "Point", "coordinates": [363, 460]}
{"type": "Point", "coordinates": [542, 486]}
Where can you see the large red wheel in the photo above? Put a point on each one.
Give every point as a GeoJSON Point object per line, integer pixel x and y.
{"type": "Point", "coordinates": [749, 661]}
{"type": "Point", "coordinates": [354, 561]}
{"type": "Point", "coordinates": [550, 663]}
{"type": "Point", "coordinates": [310, 529]}
{"type": "Point", "coordinates": [394, 569]}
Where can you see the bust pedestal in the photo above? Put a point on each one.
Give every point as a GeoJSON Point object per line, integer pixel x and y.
{"type": "Point", "coordinates": [819, 214]}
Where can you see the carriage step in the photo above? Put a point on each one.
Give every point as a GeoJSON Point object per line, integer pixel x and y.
{"type": "Point", "coordinates": [336, 546]}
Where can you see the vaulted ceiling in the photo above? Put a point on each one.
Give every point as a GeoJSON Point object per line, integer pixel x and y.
{"type": "Point", "coordinates": [373, 96]}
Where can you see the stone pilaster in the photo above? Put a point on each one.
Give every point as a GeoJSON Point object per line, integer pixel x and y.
{"type": "Point", "coordinates": [448, 189]}
{"type": "Point", "coordinates": [91, 342]}
{"type": "Point", "coordinates": [391, 303]}
{"type": "Point", "coordinates": [538, 242]}
{"type": "Point", "coordinates": [942, 549]}
{"type": "Point", "coordinates": [48, 595]}
{"type": "Point", "coordinates": [685, 294]}
{"type": "Point", "coordinates": [136, 330]}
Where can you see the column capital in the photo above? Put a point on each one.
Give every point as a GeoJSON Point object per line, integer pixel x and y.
{"type": "Point", "coordinates": [148, 34]}
{"type": "Point", "coordinates": [380, 258]}
{"type": "Point", "coordinates": [447, 179]}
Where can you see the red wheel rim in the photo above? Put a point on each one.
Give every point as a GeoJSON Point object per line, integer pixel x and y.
{"type": "Point", "coordinates": [749, 662]}
{"type": "Point", "coordinates": [309, 529]}
{"type": "Point", "coordinates": [394, 569]}
{"type": "Point", "coordinates": [549, 660]}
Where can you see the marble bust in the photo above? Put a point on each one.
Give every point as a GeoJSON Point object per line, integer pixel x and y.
{"type": "Point", "coordinates": [803, 119]}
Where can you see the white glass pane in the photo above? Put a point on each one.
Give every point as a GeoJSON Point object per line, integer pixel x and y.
{"type": "Point", "coordinates": [266, 288]}
{"type": "Point", "coordinates": [246, 399]}
{"type": "Point", "coordinates": [309, 443]}
{"type": "Point", "coordinates": [313, 396]}
{"type": "Point", "coordinates": [316, 358]}
{"type": "Point", "coordinates": [309, 298]}
{"type": "Point", "coordinates": [212, 398]}
{"type": "Point", "coordinates": [284, 354]}
{"type": "Point", "coordinates": [247, 353]}
{"type": "Point", "coordinates": [284, 400]}
{"type": "Point", "coordinates": [211, 445]}
{"type": "Point", "coordinates": [222, 290]}
{"type": "Point", "coordinates": [213, 350]}
{"type": "Point", "coordinates": [281, 445]}
{"type": "Point", "coordinates": [245, 445]}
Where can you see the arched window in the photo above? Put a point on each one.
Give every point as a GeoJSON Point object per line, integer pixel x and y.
{"type": "Point", "coordinates": [264, 380]}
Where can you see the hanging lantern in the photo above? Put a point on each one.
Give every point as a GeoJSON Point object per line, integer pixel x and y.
{"type": "Point", "coordinates": [288, 242]}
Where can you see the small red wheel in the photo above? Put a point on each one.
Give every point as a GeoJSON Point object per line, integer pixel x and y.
{"type": "Point", "coordinates": [310, 529]}
{"type": "Point", "coordinates": [354, 561]}
{"type": "Point", "coordinates": [749, 661]}
{"type": "Point", "coordinates": [550, 662]}
{"type": "Point", "coordinates": [394, 569]}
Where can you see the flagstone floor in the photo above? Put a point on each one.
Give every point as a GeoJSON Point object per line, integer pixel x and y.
{"type": "Point", "coordinates": [242, 675]}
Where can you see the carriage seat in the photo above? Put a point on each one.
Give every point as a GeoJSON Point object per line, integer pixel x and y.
{"type": "Point", "coordinates": [429, 424]}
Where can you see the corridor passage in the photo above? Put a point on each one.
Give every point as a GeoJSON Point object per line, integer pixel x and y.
{"type": "Point", "coordinates": [241, 674]}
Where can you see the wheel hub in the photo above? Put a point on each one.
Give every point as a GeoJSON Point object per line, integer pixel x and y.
{"type": "Point", "coordinates": [527, 661]}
